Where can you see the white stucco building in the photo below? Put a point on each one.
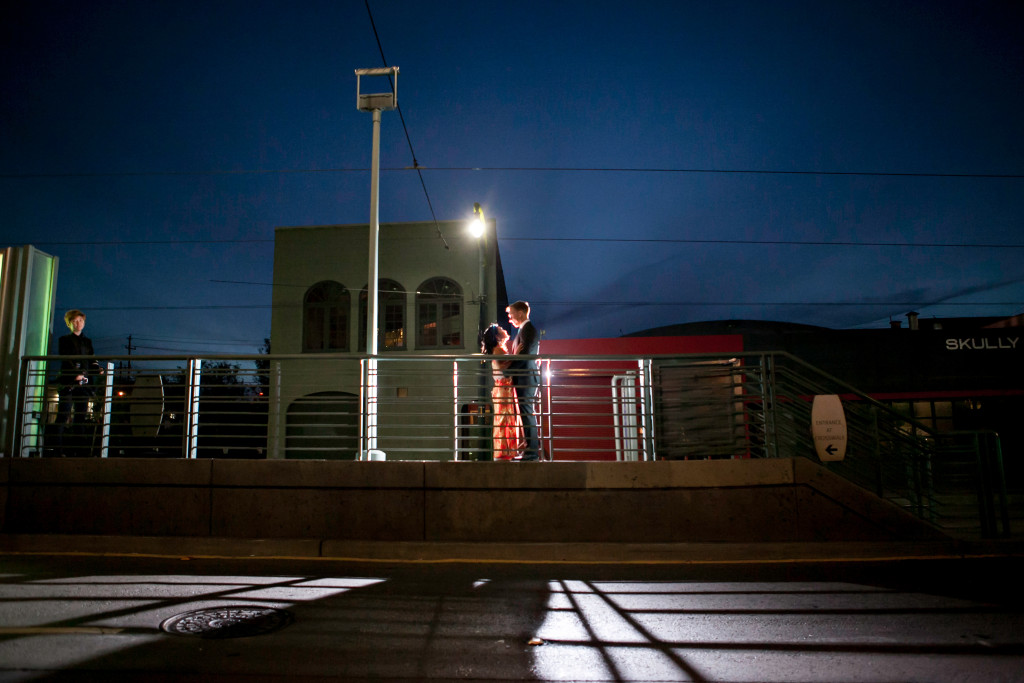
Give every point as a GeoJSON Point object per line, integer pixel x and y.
{"type": "Point", "coordinates": [438, 286]}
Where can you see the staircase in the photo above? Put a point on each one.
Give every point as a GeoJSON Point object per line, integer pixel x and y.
{"type": "Point", "coordinates": [759, 406]}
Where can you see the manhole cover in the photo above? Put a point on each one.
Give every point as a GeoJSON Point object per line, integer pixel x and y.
{"type": "Point", "coordinates": [235, 621]}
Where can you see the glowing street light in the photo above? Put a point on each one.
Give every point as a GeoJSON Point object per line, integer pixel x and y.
{"type": "Point", "coordinates": [477, 225]}
{"type": "Point", "coordinates": [478, 229]}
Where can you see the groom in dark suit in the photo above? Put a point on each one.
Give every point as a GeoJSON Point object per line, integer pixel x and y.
{"type": "Point", "coordinates": [525, 374]}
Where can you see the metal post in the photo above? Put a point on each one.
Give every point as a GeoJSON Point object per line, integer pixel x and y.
{"type": "Point", "coordinates": [371, 286]}
{"type": "Point", "coordinates": [455, 410]}
{"type": "Point", "coordinates": [768, 403]}
{"type": "Point", "coordinates": [190, 434]}
{"type": "Point", "coordinates": [374, 103]}
{"type": "Point", "coordinates": [647, 405]}
{"type": "Point", "coordinates": [108, 404]}
{"type": "Point", "coordinates": [370, 406]}
{"type": "Point", "coordinates": [28, 424]}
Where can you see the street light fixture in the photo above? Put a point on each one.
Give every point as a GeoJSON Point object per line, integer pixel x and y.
{"type": "Point", "coordinates": [478, 229]}
{"type": "Point", "coordinates": [477, 225]}
{"type": "Point", "coordinates": [374, 103]}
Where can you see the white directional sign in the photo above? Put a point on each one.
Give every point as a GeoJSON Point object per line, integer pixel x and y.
{"type": "Point", "coordinates": [828, 427]}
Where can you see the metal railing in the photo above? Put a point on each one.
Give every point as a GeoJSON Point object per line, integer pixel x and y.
{"type": "Point", "coordinates": [349, 406]}
{"type": "Point", "coordinates": [952, 479]}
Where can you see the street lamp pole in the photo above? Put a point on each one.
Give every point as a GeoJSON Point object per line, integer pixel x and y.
{"type": "Point", "coordinates": [374, 103]}
{"type": "Point", "coordinates": [479, 230]}
{"type": "Point", "coordinates": [371, 286]}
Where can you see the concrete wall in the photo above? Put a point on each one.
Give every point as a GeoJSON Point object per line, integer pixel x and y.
{"type": "Point", "coordinates": [695, 501]}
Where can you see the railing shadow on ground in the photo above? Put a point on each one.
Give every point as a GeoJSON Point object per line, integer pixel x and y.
{"type": "Point", "coordinates": [86, 618]}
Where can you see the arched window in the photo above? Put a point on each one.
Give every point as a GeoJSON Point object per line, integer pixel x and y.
{"type": "Point", "coordinates": [325, 318]}
{"type": "Point", "coordinates": [390, 316]}
{"type": "Point", "coordinates": [439, 314]}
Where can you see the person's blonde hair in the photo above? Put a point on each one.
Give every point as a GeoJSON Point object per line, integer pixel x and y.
{"type": "Point", "coordinates": [71, 315]}
{"type": "Point", "coordinates": [523, 306]}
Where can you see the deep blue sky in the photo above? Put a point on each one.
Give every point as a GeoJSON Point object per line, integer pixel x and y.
{"type": "Point", "coordinates": [207, 124]}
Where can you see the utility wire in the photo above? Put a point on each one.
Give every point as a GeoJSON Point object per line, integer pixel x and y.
{"type": "Point", "coordinates": [612, 303]}
{"type": "Point", "coordinates": [528, 169]}
{"type": "Point", "coordinates": [408, 138]}
{"type": "Point", "coordinates": [132, 242]}
{"type": "Point", "coordinates": [809, 243]}
{"type": "Point", "coordinates": [745, 171]}
{"type": "Point", "coordinates": [768, 242]}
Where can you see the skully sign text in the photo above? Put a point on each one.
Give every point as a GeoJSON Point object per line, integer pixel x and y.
{"type": "Point", "coordinates": [981, 343]}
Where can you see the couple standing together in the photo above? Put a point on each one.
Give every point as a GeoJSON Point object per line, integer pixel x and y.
{"type": "Point", "coordinates": [516, 386]}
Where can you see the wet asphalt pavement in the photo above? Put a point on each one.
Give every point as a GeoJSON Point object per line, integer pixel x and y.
{"type": "Point", "coordinates": [84, 617]}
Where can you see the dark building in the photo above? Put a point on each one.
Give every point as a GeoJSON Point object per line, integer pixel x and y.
{"type": "Point", "coordinates": [951, 374]}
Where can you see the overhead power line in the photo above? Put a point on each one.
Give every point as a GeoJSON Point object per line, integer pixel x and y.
{"type": "Point", "coordinates": [809, 243]}
{"type": "Point", "coordinates": [777, 303]}
{"type": "Point", "coordinates": [743, 171]}
{"type": "Point", "coordinates": [648, 304]}
{"type": "Point", "coordinates": [121, 243]}
{"type": "Point", "coordinates": [523, 169]}
{"type": "Point", "coordinates": [408, 138]}
{"type": "Point", "coordinates": [814, 243]}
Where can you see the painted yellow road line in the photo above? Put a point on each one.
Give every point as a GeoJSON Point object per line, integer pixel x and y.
{"type": "Point", "coordinates": [881, 557]}
{"type": "Point", "coordinates": [58, 630]}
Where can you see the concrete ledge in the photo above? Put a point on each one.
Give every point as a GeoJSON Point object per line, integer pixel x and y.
{"type": "Point", "coordinates": [507, 475]}
{"type": "Point", "coordinates": [779, 500]}
{"type": "Point", "coordinates": [691, 474]}
{"type": "Point", "coordinates": [96, 471]}
{"type": "Point", "coordinates": [613, 515]}
{"type": "Point", "coordinates": [382, 514]}
{"type": "Point", "coordinates": [609, 475]}
{"type": "Point", "coordinates": [854, 502]}
{"type": "Point", "coordinates": [317, 473]}
{"type": "Point", "coordinates": [102, 509]}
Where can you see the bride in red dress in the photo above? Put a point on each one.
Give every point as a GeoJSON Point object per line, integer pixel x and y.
{"type": "Point", "coordinates": [507, 425]}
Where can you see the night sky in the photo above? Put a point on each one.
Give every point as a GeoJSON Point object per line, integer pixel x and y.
{"type": "Point", "coordinates": [647, 162]}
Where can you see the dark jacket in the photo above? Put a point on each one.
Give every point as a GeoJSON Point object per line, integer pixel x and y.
{"type": "Point", "coordinates": [70, 368]}
{"type": "Point", "coordinates": [525, 371]}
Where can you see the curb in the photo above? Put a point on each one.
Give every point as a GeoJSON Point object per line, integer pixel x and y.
{"type": "Point", "coordinates": [506, 553]}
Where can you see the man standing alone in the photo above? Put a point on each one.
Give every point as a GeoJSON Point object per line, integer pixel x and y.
{"type": "Point", "coordinates": [75, 390]}
{"type": "Point", "coordinates": [525, 374]}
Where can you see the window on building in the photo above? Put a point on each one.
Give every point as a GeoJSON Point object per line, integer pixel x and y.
{"type": "Point", "coordinates": [935, 415]}
{"type": "Point", "coordinates": [325, 318]}
{"type": "Point", "coordinates": [391, 316]}
{"type": "Point", "coordinates": [439, 314]}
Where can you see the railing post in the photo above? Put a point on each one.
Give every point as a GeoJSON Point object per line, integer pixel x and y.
{"type": "Point", "coordinates": [647, 406]}
{"type": "Point", "coordinates": [986, 512]}
{"type": "Point", "coordinates": [992, 505]}
{"type": "Point", "coordinates": [25, 435]}
{"type": "Point", "coordinates": [108, 404]}
{"type": "Point", "coordinates": [455, 411]}
{"type": "Point", "coordinates": [545, 418]}
{"type": "Point", "coordinates": [190, 434]}
{"type": "Point", "coordinates": [876, 435]}
{"type": "Point", "coordinates": [768, 407]}
{"type": "Point", "coordinates": [997, 466]}
{"type": "Point", "coordinates": [276, 418]}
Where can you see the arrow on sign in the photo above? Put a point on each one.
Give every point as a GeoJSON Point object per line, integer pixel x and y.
{"type": "Point", "coordinates": [830, 449]}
